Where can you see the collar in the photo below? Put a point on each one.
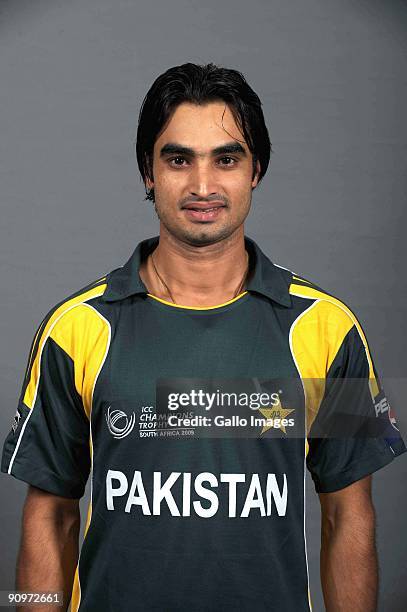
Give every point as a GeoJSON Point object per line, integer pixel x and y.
{"type": "Point", "coordinates": [267, 278]}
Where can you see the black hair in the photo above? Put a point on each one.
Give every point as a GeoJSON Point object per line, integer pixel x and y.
{"type": "Point", "coordinates": [200, 84]}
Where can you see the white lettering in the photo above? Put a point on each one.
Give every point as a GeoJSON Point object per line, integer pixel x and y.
{"type": "Point", "coordinates": [210, 495]}
{"type": "Point", "coordinates": [163, 492]}
{"type": "Point", "coordinates": [137, 500]}
{"type": "Point", "coordinates": [115, 492]}
{"type": "Point", "coordinates": [261, 493]}
{"type": "Point", "coordinates": [232, 480]}
{"type": "Point", "coordinates": [251, 500]}
{"type": "Point", "coordinates": [280, 499]}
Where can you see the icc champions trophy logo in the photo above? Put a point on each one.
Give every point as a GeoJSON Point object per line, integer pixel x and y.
{"type": "Point", "coordinates": [118, 423]}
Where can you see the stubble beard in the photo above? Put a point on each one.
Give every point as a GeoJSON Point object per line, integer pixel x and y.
{"type": "Point", "coordinates": [198, 236]}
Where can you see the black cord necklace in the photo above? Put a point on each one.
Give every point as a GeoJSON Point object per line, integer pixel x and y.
{"type": "Point", "coordinates": [241, 284]}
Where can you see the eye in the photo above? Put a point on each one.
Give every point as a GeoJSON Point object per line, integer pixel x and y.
{"type": "Point", "coordinates": [230, 161]}
{"type": "Point", "coordinates": [174, 160]}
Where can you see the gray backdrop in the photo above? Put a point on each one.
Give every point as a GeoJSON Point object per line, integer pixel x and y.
{"type": "Point", "coordinates": [332, 77]}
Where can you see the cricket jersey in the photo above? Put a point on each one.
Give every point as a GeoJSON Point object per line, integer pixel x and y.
{"type": "Point", "coordinates": [196, 427]}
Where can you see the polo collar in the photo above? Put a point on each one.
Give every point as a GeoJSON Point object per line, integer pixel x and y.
{"type": "Point", "coordinates": [267, 278]}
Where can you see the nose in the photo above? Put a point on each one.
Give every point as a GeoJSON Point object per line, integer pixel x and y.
{"type": "Point", "coordinates": [202, 181]}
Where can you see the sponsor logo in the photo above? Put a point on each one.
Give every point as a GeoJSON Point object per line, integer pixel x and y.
{"type": "Point", "coordinates": [382, 407]}
{"type": "Point", "coordinates": [119, 423]}
{"type": "Point", "coordinates": [16, 421]}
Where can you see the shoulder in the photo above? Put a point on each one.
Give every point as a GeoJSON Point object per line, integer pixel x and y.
{"type": "Point", "coordinates": [321, 302]}
{"type": "Point", "coordinates": [322, 316]}
{"type": "Point", "coordinates": [326, 331]}
{"type": "Point", "coordinates": [75, 315]}
{"type": "Point", "coordinates": [71, 331]}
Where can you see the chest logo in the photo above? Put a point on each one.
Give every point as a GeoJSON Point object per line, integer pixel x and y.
{"type": "Point", "coordinates": [119, 423]}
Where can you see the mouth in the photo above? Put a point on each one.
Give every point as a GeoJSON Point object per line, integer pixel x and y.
{"type": "Point", "coordinates": [204, 205]}
{"type": "Point", "coordinates": [204, 210]}
{"type": "Point", "coordinates": [203, 213]}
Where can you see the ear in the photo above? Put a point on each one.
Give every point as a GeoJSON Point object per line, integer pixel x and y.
{"type": "Point", "coordinates": [149, 183]}
{"type": "Point", "coordinates": [256, 176]}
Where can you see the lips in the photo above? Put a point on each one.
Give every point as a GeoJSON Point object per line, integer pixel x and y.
{"type": "Point", "coordinates": [204, 207]}
{"type": "Point", "coordinates": [204, 213]}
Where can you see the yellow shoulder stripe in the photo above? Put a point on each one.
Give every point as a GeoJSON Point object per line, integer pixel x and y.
{"type": "Point", "coordinates": [315, 338]}
{"type": "Point", "coordinates": [74, 347]}
{"type": "Point", "coordinates": [315, 293]}
{"type": "Point", "coordinates": [320, 323]}
{"type": "Point", "coordinates": [84, 335]}
{"type": "Point", "coordinates": [301, 279]}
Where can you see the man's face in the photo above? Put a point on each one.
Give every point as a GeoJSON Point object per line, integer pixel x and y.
{"type": "Point", "coordinates": [201, 158]}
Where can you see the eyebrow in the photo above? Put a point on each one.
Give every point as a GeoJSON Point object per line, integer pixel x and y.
{"type": "Point", "coordinates": [172, 148]}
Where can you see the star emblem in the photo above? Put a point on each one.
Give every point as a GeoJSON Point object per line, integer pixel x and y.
{"type": "Point", "coordinates": [276, 412]}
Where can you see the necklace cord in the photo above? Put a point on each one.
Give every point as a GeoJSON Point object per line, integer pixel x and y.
{"type": "Point", "coordinates": [241, 284]}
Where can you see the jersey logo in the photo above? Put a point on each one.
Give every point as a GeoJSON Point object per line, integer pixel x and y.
{"type": "Point", "coordinates": [383, 406]}
{"type": "Point", "coordinates": [16, 421]}
{"type": "Point", "coordinates": [118, 423]}
{"type": "Point", "coordinates": [276, 417]}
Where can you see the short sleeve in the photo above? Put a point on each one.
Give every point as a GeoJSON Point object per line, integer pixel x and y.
{"type": "Point", "coordinates": [49, 442]}
{"type": "Point", "coordinates": [355, 431]}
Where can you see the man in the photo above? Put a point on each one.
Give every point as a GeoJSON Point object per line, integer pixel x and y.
{"type": "Point", "coordinates": [193, 384]}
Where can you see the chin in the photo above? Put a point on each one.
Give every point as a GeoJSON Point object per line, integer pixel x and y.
{"type": "Point", "coordinates": [205, 236]}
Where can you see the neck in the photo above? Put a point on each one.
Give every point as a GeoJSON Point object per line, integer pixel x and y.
{"type": "Point", "coordinates": [196, 275]}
